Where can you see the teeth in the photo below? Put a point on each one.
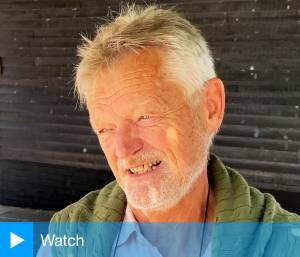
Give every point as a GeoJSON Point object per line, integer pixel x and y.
{"type": "Point", "coordinates": [144, 168]}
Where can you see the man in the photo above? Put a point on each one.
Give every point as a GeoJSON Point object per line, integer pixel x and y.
{"type": "Point", "coordinates": [155, 104]}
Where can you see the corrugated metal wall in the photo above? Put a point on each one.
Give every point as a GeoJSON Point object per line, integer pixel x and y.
{"type": "Point", "coordinates": [48, 153]}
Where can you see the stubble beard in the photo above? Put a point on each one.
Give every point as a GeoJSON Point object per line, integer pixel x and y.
{"type": "Point", "coordinates": [169, 191]}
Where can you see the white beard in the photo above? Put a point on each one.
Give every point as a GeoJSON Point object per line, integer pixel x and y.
{"type": "Point", "coordinates": [169, 191]}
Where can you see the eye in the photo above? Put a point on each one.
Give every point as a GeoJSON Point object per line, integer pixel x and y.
{"type": "Point", "coordinates": [144, 117]}
{"type": "Point", "coordinates": [146, 120]}
{"type": "Point", "coordinates": [103, 131]}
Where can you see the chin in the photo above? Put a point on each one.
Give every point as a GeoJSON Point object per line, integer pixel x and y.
{"type": "Point", "coordinates": [163, 196]}
{"type": "Point", "coordinates": [154, 199]}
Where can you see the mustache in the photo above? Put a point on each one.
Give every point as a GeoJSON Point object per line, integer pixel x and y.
{"type": "Point", "coordinates": [138, 158]}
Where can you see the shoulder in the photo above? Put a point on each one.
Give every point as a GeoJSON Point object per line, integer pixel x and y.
{"type": "Point", "coordinates": [270, 210]}
{"type": "Point", "coordinates": [106, 204]}
{"type": "Point", "coordinates": [237, 201]}
{"type": "Point", "coordinates": [258, 205]}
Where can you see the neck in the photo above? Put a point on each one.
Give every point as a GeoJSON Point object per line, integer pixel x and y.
{"type": "Point", "coordinates": [195, 206]}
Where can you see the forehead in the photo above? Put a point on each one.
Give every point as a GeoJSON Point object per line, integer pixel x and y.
{"type": "Point", "coordinates": [135, 76]}
{"type": "Point", "coordinates": [128, 71]}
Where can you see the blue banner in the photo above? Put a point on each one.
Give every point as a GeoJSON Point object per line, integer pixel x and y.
{"type": "Point", "coordinates": [116, 239]}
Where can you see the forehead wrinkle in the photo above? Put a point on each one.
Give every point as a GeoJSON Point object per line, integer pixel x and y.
{"type": "Point", "coordinates": [127, 90]}
{"type": "Point", "coordinates": [151, 70]}
{"type": "Point", "coordinates": [136, 77]}
{"type": "Point", "coordinates": [146, 65]}
{"type": "Point", "coordinates": [101, 101]}
{"type": "Point", "coordinates": [98, 101]}
{"type": "Point", "coordinates": [98, 96]}
{"type": "Point", "coordinates": [140, 76]}
{"type": "Point", "coordinates": [118, 80]}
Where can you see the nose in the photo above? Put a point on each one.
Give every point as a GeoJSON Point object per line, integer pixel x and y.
{"type": "Point", "coordinates": [127, 141]}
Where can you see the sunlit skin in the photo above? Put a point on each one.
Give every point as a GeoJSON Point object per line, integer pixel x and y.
{"type": "Point", "coordinates": [139, 115]}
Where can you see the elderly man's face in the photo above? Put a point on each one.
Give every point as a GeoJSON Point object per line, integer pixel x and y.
{"type": "Point", "coordinates": [155, 143]}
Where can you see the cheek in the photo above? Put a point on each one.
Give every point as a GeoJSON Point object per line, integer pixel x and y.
{"type": "Point", "coordinates": [155, 137]}
{"type": "Point", "coordinates": [185, 137]}
{"type": "Point", "coordinates": [166, 139]}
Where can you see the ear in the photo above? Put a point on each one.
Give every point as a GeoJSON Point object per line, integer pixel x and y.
{"type": "Point", "coordinates": [214, 101]}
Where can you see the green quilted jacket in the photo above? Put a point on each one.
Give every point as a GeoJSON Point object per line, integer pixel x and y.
{"type": "Point", "coordinates": [236, 202]}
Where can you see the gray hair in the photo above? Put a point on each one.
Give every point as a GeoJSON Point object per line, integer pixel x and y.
{"type": "Point", "coordinates": [187, 59]}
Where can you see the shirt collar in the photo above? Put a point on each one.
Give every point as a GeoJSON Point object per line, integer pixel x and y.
{"type": "Point", "coordinates": [129, 228]}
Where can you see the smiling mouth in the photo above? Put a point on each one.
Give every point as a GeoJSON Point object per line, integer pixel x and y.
{"type": "Point", "coordinates": [145, 167]}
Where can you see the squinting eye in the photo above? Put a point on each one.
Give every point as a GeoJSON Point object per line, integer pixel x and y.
{"type": "Point", "coordinates": [144, 117]}
{"type": "Point", "coordinates": [102, 131]}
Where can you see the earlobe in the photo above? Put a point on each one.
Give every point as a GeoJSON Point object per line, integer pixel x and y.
{"type": "Point", "coordinates": [215, 103]}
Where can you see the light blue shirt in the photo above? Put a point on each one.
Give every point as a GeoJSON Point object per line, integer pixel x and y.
{"type": "Point", "coordinates": [131, 242]}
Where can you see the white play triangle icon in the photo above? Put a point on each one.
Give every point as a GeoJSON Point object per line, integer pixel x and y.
{"type": "Point", "coordinates": [15, 240]}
